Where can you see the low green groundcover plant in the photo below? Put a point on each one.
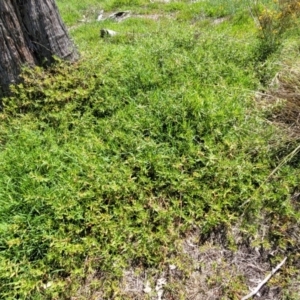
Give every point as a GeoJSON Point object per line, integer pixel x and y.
{"type": "Point", "coordinates": [110, 161]}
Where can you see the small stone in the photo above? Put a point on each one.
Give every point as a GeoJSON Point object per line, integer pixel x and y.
{"type": "Point", "coordinates": [47, 285]}
{"type": "Point", "coordinates": [100, 16]}
{"type": "Point", "coordinates": [107, 33]}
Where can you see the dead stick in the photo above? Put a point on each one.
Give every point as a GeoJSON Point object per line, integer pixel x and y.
{"type": "Point", "coordinates": [254, 292]}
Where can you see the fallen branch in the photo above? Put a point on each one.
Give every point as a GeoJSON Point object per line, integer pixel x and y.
{"type": "Point", "coordinates": [256, 290]}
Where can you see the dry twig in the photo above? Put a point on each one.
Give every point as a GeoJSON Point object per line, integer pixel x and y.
{"type": "Point", "coordinates": [256, 290]}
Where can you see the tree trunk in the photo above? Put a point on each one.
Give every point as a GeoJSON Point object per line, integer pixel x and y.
{"type": "Point", "coordinates": [31, 32]}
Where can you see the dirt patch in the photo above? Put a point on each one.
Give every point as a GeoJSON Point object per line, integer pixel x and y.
{"type": "Point", "coordinates": [155, 17]}
{"type": "Point", "coordinates": [219, 20]}
{"type": "Point", "coordinates": [212, 271]}
{"type": "Point", "coordinates": [208, 268]}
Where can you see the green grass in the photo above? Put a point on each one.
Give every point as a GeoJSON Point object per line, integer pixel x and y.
{"type": "Point", "coordinates": [110, 161]}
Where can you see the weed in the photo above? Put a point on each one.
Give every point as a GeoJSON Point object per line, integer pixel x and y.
{"type": "Point", "coordinates": [273, 22]}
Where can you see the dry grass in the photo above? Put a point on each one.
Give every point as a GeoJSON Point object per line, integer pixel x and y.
{"type": "Point", "coordinates": [283, 96]}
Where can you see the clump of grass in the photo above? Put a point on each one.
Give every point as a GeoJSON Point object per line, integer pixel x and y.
{"type": "Point", "coordinates": [274, 20]}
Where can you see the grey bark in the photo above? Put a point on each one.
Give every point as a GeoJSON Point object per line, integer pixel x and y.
{"type": "Point", "coordinates": [31, 32]}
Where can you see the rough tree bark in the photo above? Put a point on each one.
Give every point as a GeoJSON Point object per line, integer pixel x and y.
{"type": "Point", "coordinates": [31, 32]}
